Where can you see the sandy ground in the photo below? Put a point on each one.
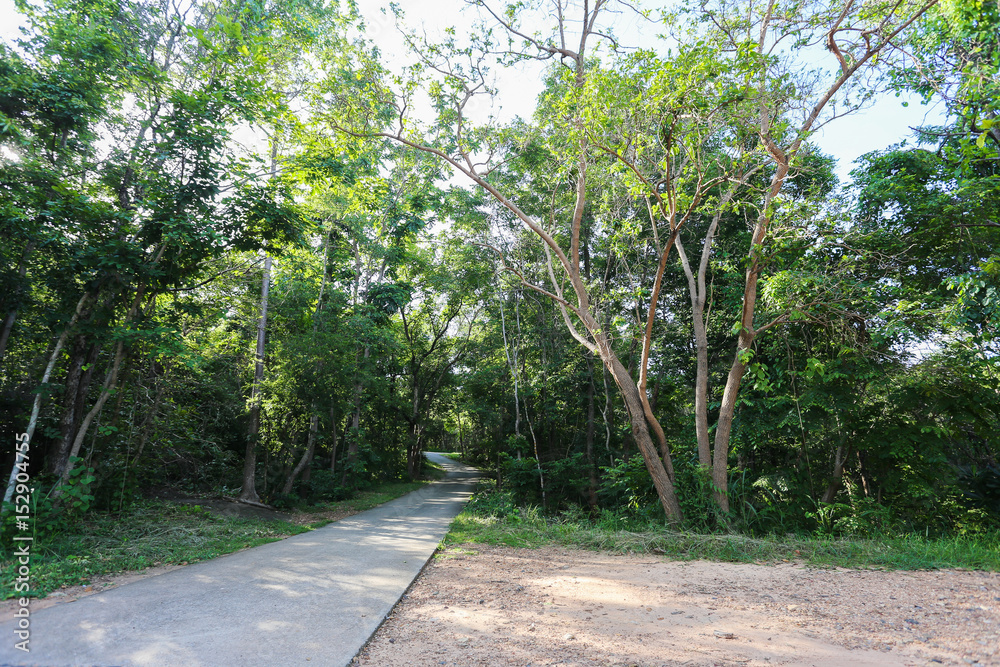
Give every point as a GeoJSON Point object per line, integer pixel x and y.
{"type": "Point", "coordinates": [497, 606]}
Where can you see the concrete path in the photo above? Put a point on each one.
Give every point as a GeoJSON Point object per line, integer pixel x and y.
{"type": "Point", "coordinates": [311, 599]}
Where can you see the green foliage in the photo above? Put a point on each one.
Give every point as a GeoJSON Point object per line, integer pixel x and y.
{"type": "Point", "coordinates": [628, 488]}
{"type": "Point", "coordinates": [981, 489]}
{"type": "Point", "coordinates": [566, 480]}
{"type": "Point", "coordinates": [489, 519]}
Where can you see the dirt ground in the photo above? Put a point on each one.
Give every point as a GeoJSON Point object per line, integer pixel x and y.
{"type": "Point", "coordinates": [497, 606]}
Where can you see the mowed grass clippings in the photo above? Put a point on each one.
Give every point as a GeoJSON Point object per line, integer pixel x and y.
{"type": "Point", "coordinates": [906, 552]}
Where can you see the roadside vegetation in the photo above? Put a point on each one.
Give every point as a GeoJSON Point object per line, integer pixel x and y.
{"type": "Point", "coordinates": [492, 518]}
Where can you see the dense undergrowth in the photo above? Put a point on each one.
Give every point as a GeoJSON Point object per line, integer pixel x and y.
{"type": "Point", "coordinates": [494, 517]}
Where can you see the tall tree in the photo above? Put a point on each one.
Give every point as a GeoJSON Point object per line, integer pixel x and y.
{"type": "Point", "coordinates": [134, 183]}
{"type": "Point", "coordinates": [585, 135]}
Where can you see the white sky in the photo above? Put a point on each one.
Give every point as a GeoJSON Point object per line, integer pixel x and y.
{"type": "Point", "coordinates": [886, 123]}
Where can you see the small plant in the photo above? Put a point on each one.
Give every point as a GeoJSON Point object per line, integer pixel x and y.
{"type": "Point", "coordinates": [76, 492]}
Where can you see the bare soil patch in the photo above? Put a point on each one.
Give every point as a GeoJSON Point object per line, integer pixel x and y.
{"type": "Point", "coordinates": [486, 605]}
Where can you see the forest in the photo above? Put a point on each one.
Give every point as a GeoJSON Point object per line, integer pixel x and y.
{"type": "Point", "coordinates": [246, 253]}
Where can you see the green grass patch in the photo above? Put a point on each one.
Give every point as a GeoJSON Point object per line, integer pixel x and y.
{"type": "Point", "coordinates": [527, 527]}
{"type": "Point", "coordinates": [454, 456]}
{"type": "Point", "coordinates": [365, 500]}
{"type": "Point", "coordinates": [432, 471]}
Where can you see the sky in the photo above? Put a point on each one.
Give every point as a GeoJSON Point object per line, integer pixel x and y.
{"type": "Point", "coordinates": [886, 123]}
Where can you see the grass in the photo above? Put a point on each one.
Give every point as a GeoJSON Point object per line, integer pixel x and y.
{"type": "Point", "coordinates": [454, 456]}
{"type": "Point", "coordinates": [364, 500]}
{"type": "Point", "coordinates": [527, 528]}
{"type": "Point", "coordinates": [434, 471]}
{"type": "Point", "coordinates": [154, 533]}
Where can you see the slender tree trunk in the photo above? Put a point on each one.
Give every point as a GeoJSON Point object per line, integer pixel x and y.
{"type": "Point", "coordinates": [76, 413]}
{"type": "Point", "coordinates": [538, 458]}
{"type": "Point", "coordinates": [840, 458]}
{"type": "Point", "coordinates": [333, 445]}
{"type": "Point", "coordinates": [37, 405]}
{"type": "Point", "coordinates": [249, 491]}
{"type": "Point", "coordinates": [698, 291]}
{"type": "Point", "coordinates": [413, 439]}
{"type": "Point", "coordinates": [701, 387]}
{"type": "Point", "coordinates": [640, 433]}
{"type": "Point", "coordinates": [591, 462]}
{"type": "Point", "coordinates": [306, 455]}
{"type": "Point", "coordinates": [110, 382]}
{"type": "Point", "coordinates": [352, 443]}
{"type": "Point", "coordinates": [413, 445]}
{"type": "Point", "coordinates": [727, 411]}
{"type": "Point", "coordinates": [511, 356]}
{"type": "Point", "coordinates": [312, 437]}
{"type": "Point", "coordinates": [867, 484]}
{"type": "Point", "coordinates": [55, 461]}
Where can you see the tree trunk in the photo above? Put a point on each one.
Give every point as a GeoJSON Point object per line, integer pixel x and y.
{"type": "Point", "coordinates": [640, 432]}
{"type": "Point", "coordinates": [74, 409]}
{"type": "Point", "coordinates": [37, 404]}
{"type": "Point", "coordinates": [333, 445]}
{"type": "Point", "coordinates": [414, 441]}
{"type": "Point", "coordinates": [55, 461]}
{"type": "Point", "coordinates": [840, 458]}
{"type": "Point", "coordinates": [698, 291]}
{"type": "Point", "coordinates": [591, 462]}
{"type": "Point", "coordinates": [867, 483]}
{"type": "Point", "coordinates": [306, 455]}
{"type": "Point", "coordinates": [413, 446]}
{"type": "Point", "coordinates": [249, 491]}
{"type": "Point", "coordinates": [110, 381]}
{"type": "Point", "coordinates": [511, 356]}
{"type": "Point", "coordinates": [701, 351]}
{"type": "Point", "coordinates": [727, 411]}
{"type": "Point", "coordinates": [352, 443]}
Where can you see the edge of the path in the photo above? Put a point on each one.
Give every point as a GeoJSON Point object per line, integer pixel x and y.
{"type": "Point", "coordinates": [452, 466]}
{"type": "Point", "coordinates": [102, 583]}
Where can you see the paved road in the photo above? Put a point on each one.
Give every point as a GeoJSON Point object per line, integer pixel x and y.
{"type": "Point", "coordinates": [312, 599]}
